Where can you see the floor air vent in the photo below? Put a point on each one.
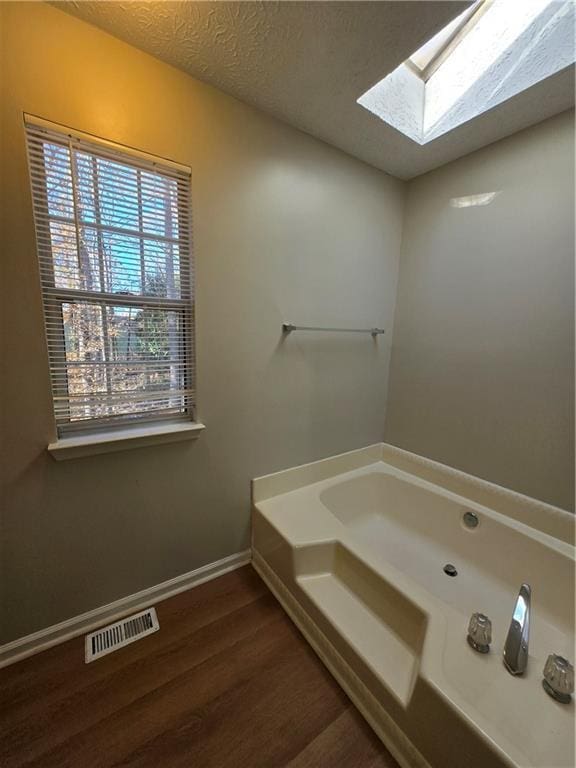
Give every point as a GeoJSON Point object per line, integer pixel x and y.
{"type": "Point", "coordinates": [121, 633]}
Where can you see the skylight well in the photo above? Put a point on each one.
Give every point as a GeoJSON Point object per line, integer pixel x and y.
{"type": "Point", "coordinates": [492, 51]}
{"type": "Point", "coordinates": [428, 58]}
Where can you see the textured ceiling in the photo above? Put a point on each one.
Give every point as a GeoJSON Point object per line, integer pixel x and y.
{"type": "Point", "coordinates": [307, 63]}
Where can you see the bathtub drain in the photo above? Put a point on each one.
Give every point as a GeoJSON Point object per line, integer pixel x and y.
{"type": "Point", "coordinates": [450, 570]}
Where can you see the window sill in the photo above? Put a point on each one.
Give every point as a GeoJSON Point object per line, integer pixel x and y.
{"type": "Point", "coordinates": [123, 439]}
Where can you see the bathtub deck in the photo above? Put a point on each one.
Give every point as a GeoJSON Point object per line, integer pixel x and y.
{"type": "Point", "coordinates": [228, 682]}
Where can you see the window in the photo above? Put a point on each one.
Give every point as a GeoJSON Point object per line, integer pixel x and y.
{"type": "Point", "coordinates": [493, 51]}
{"type": "Point", "coordinates": [430, 56]}
{"type": "Point", "coordinates": [114, 249]}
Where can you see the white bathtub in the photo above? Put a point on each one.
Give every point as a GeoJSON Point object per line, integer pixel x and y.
{"type": "Point", "coordinates": [355, 546]}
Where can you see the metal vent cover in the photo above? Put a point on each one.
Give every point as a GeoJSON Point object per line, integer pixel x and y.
{"type": "Point", "coordinates": [121, 633]}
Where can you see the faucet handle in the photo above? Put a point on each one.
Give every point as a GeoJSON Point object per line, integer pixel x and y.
{"type": "Point", "coordinates": [480, 632]}
{"type": "Point", "coordinates": [558, 678]}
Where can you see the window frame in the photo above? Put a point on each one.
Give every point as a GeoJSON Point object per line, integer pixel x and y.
{"type": "Point", "coordinates": [54, 297]}
{"type": "Point", "coordinates": [471, 16]}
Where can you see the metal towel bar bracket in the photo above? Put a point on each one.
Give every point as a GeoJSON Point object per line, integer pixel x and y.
{"type": "Point", "coordinates": [289, 327]}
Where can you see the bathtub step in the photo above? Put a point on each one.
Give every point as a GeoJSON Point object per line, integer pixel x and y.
{"type": "Point", "coordinates": [365, 616]}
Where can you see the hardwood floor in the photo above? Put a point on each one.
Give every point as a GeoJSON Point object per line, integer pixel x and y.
{"type": "Point", "coordinates": [227, 682]}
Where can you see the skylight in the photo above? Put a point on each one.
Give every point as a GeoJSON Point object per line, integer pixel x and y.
{"type": "Point", "coordinates": [434, 51]}
{"type": "Point", "coordinates": [491, 52]}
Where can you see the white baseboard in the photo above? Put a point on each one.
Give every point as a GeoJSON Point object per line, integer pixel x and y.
{"type": "Point", "coordinates": [106, 614]}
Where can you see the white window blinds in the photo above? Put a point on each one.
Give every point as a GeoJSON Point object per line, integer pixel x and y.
{"type": "Point", "coordinates": [114, 248]}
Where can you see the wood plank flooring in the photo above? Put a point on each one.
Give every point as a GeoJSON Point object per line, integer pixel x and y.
{"type": "Point", "coordinates": [227, 682]}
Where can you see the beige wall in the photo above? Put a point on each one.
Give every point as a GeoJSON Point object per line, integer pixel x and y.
{"type": "Point", "coordinates": [482, 374]}
{"type": "Point", "coordinates": [285, 228]}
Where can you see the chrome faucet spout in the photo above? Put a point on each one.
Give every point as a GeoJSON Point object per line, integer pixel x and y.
{"type": "Point", "coordinates": [516, 646]}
